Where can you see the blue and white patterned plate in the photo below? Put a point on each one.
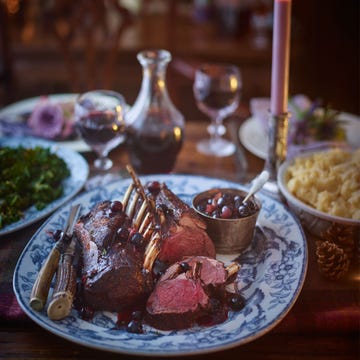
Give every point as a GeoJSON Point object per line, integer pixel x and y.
{"type": "Point", "coordinates": [271, 277]}
{"type": "Point", "coordinates": [79, 171]}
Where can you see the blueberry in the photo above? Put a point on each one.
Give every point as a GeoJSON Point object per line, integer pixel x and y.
{"type": "Point", "coordinates": [137, 240]}
{"type": "Point", "coordinates": [159, 267]}
{"type": "Point", "coordinates": [122, 234]}
{"type": "Point", "coordinates": [134, 326]}
{"type": "Point", "coordinates": [57, 235]}
{"type": "Point", "coordinates": [237, 201]}
{"type": "Point", "coordinates": [236, 302]}
{"type": "Point", "coordinates": [136, 315]}
{"type": "Point", "coordinates": [184, 266]}
{"type": "Point", "coordinates": [243, 210]}
{"type": "Point", "coordinates": [154, 187]}
{"type": "Point", "coordinates": [225, 199]}
{"type": "Point", "coordinates": [237, 198]}
{"type": "Point", "coordinates": [116, 206]}
{"type": "Point", "coordinates": [201, 206]}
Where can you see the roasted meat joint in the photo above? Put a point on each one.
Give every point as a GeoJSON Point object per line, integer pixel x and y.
{"type": "Point", "coordinates": [149, 259]}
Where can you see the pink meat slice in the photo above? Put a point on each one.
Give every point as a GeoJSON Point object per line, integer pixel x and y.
{"type": "Point", "coordinates": [183, 231]}
{"type": "Point", "coordinates": [182, 296]}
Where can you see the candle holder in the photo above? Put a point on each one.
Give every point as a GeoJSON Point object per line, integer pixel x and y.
{"type": "Point", "coordinates": [277, 150]}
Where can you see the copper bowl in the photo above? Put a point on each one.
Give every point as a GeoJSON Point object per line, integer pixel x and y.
{"type": "Point", "coordinates": [229, 235]}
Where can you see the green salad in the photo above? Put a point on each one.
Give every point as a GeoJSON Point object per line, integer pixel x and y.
{"type": "Point", "coordinates": [28, 177]}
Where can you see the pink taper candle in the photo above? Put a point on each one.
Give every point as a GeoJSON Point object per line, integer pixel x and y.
{"type": "Point", "coordinates": [280, 57]}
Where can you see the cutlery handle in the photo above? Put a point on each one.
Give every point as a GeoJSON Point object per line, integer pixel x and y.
{"type": "Point", "coordinates": [64, 291]}
{"type": "Point", "coordinates": [42, 283]}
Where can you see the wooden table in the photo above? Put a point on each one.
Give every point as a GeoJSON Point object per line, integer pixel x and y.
{"type": "Point", "coordinates": [323, 324]}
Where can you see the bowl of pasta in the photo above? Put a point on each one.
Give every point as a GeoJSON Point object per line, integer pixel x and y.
{"type": "Point", "coordinates": [323, 189]}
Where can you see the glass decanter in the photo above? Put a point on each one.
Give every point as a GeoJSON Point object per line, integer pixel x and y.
{"type": "Point", "coordinates": [155, 125]}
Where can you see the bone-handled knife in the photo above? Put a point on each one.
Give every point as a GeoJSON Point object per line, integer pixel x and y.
{"type": "Point", "coordinates": [42, 283]}
{"type": "Point", "coordinates": [65, 285]}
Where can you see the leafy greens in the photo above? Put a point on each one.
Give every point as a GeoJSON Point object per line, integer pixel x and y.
{"type": "Point", "coordinates": [28, 177]}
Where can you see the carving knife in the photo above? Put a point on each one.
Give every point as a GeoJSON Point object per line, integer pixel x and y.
{"type": "Point", "coordinates": [42, 283]}
{"type": "Point", "coordinates": [65, 285]}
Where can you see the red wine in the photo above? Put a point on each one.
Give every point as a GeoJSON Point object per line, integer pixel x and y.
{"type": "Point", "coordinates": [213, 103]}
{"type": "Point", "coordinates": [99, 129]}
{"type": "Point", "coordinates": [219, 99]}
{"type": "Point", "coordinates": [154, 153]}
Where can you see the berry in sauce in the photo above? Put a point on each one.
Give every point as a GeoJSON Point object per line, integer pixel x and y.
{"type": "Point", "coordinates": [123, 234]}
{"type": "Point", "coordinates": [226, 206]}
{"type": "Point", "coordinates": [154, 187]}
{"type": "Point", "coordinates": [236, 302]}
{"type": "Point", "coordinates": [135, 327]}
{"type": "Point", "coordinates": [137, 240]}
{"type": "Point", "coordinates": [116, 206]}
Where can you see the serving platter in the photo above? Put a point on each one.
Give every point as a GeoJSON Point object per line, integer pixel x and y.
{"type": "Point", "coordinates": [254, 137]}
{"type": "Point", "coordinates": [79, 171]}
{"type": "Point", "coordinates": [271, 277]}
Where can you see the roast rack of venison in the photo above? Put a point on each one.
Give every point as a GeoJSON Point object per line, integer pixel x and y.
{"type": "Point", "coordinates": [150, 251]}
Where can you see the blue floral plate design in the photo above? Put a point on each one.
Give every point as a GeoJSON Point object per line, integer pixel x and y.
{"type": "Point", "coordinates": [272, 274]}
{"type": "Point", "coordinates": [79, 171]}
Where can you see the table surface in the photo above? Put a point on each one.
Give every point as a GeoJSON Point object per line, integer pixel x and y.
{"type": "Point", "coordinates": [323, 323]}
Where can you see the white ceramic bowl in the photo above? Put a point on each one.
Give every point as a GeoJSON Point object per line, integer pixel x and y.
{"type": "Point", "coordinates": [315, 221]}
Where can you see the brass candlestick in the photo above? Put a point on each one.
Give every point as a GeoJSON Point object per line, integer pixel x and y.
{"type": "Point", "coordinates": [277, 149]}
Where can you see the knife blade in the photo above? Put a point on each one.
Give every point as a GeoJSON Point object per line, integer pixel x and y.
{"type": "Point", "coordinates": [40, 289]}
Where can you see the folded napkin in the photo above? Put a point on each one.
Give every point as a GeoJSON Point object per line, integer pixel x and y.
{"type": "Point", "coordinates": [305, 318]}
{"type": "Point", "coordinates": [11, 128]}
{"type": "Point", "coordinates": [10, 310]}
{"type": "Point", "coordinates": [10, 249]}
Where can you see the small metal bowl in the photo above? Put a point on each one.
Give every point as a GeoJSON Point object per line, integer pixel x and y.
{"type": "Point", "coordinates": [229, 235]}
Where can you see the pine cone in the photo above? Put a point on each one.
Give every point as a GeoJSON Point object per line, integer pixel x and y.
{"type": "Point", "coordinates": [332, 260]}
{"type": "Point", "coordinates": [343, 236]}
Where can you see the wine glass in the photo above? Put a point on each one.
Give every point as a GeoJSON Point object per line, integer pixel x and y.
{"type": "Point", "coordinates": [217, 90]}
{"type": "Point", "coordinates": [99, 119]}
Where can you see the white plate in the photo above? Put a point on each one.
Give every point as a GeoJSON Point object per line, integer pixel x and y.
{"type": "Point", "coordinates": [255, 140]}
{"type": "Point", "coordinates": [26, 106]}
{"type": "Point", "coordinates": [79, 171]}
{"type": "Point", "coordinates": [271, 277]}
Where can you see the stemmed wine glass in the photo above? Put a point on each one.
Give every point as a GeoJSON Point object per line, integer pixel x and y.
{"type": "Point", "coordinates": [99, 119]}
{"type": "Point", "coordinates": [217, 91]}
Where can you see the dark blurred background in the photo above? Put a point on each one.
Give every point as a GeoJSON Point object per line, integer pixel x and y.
{"type": "Point", "coordinates": [60, 46]}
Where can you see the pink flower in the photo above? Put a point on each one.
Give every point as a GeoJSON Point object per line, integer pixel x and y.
{"type": "Point", "coordinates": [47, 120]}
